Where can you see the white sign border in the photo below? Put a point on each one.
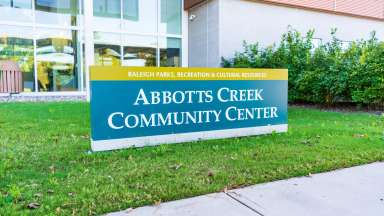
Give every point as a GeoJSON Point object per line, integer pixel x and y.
{"type": "Point", "coordinates": [114, 144]}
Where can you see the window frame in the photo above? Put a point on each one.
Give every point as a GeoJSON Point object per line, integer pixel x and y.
{"type": "Point", "coordinates": [132, 18]}
{"type": "Point", "coordinates": [86, 53]}
{"type": "Point", "coordinates": [34, 25]}
{"type": "Point", "coordinates": [158, 34]}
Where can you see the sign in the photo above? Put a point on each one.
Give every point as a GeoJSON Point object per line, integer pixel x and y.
{"type": "Point", "coordinates": [143, 106]}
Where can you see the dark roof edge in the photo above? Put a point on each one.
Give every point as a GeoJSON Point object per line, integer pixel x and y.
{"type": "Point", "coordinates": [188, 4]}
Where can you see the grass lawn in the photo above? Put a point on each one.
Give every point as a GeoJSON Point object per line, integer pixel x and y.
{"type": "Point", "coordinates": [45, 159]}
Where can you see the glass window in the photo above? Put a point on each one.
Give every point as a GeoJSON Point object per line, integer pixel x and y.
{"type": "Point", "coordinates": [58, 56]}
{"type": "Point", "coordinates": [170, 17]}
{"type": "Point", "coordinates": [16, 10]}
{"type": "Point", "coordinates": [16, 51]}
{"type": "Point", "coordinates": [16, 3]}
{"type": "Point", "coordinates": [131, 10]}
{"type": "Point", "coordinates": [57, 12]}
{"type": "Point", "coordinates": [107, 49]}
{"type": "Point", "coordinates": [5, 3]}
{"type": "Point", "coordinates": [170, 52]}
{"type": "Point", "coordinates": [140, 16]}
{"type": "Point", "coordinates": [22, 4]}
{"type": "Point", "coordinates": [139, 50]}
{"type": "Point", "coordinates": [106, 8]}
{"type": "Point", "coordinates": [106, 15]}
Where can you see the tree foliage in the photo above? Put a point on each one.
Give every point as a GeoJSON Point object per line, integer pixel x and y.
{"type": "Point", "coordinates": [327, 74]}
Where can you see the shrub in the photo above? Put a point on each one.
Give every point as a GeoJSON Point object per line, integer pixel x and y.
{"type": "Point", "coordinates": [326, 74]}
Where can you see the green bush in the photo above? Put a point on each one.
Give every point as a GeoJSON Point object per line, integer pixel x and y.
{"type": "Point", "coordinates": [326, 74]}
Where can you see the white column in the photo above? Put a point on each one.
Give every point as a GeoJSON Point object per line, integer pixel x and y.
{"type": "Point", "coordinates": [184, 31]}
{"type": "Point", "coordinates": [88, 40]}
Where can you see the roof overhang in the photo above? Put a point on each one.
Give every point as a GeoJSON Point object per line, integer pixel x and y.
{"type": "Point", "coordinates": [354, 10]}
{"type": "Point", "coordinates": [191, 3]}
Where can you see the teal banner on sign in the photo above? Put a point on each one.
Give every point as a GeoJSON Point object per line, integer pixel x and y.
{"type": "Point", "coordinates": [148, 106]}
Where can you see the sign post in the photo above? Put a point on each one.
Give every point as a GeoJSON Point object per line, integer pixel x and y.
{"type": "Point", "coordinates": [144, 106]}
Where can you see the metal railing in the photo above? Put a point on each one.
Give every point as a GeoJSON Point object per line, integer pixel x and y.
{"type": "Point", "coordinates": [11, 81]}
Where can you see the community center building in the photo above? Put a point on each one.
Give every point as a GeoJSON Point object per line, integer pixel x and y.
{"type": "Point", "coordinates": [47, 46]}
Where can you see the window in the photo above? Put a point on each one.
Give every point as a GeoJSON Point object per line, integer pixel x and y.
{"type": "Point", "coordinates": [131, 10]}
{"type": "Point", "coordinates": [16, 50]}
{"type": "Point", "coordinates": [106, 8]}
{"type": "Point", "coordinates": [5, 3]}
{"type": "Point", "coordinates": [107, 15]}
{"type": "Point", "coordinates": [140, 16]}
{"type": "Point", "coordinates": [57, 12]}
{"type": "Point", "coordinates": [107, 49]}
{"type": "Point", "coordinates": [136, 40]}
{"type": "Point", "coordinates": [22, 4]}
{"type": "Point", "coordinates": [58, 6]}
{"type": "Point", "coordinates": [16, 3]}
{"type": "Point", "coordinates": [170, 52]}
{"type": "Point", "coordinates": [16, 10]}
{"type": "Point", "coordinates": [139, 50]}
{"type": "Point", "coordinates": [171, 16]}
{"type": "Point", "coordinates": [57, 55]}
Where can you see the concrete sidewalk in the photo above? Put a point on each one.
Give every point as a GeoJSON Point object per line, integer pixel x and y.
{"type": "Point", "coordinates": [354, 192]}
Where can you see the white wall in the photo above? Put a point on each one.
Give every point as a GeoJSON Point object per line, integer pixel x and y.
{"type": "Point", "coordinates": [203, 35]}
{"type": "Point", "coordinates": [264, 23]}
{"type": "Point", "coordinates": [221, 26]}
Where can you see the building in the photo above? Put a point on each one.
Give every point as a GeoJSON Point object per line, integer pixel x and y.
{"type": "Point", "coordinates": [218, 27]}
{"type": "Point", "coordinates": [53, 42]}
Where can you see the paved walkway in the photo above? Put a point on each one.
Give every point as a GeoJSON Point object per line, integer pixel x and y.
{"type": "Point", "coordinates": [354, 192]}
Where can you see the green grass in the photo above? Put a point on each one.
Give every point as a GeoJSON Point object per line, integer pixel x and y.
{"type": "Point", "coordinates": [45, 159]}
